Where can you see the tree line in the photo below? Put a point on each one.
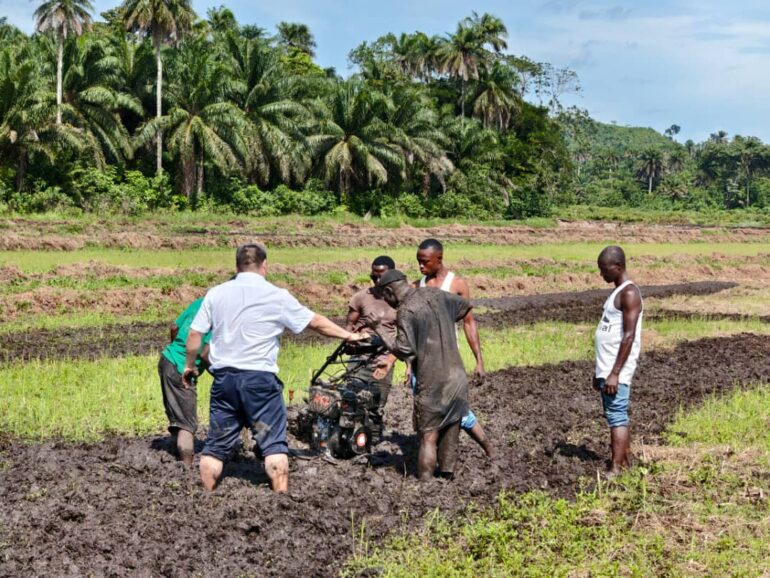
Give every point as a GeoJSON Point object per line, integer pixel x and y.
{"type": "Point", "coordinates": [155, 107]}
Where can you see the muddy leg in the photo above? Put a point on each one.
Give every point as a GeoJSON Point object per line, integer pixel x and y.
{"type": "Point", "coordinates": [277, 468]}
{"type": "Point", "coordinates": [621, 440]}
{"type": "Point", "coordinates": [448, 447]}
{"type": "Point", "coordinates": [478, 435]}
{"type": "Point", "coordinates": [211, 469]}
{"type": "Point", "coordinates": [185, 446]}
{"type": "Point", "coordinates": [426, 457]}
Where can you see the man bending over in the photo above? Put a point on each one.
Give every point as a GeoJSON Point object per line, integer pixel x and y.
{"type": "Point", "coordinates": [426, 338]}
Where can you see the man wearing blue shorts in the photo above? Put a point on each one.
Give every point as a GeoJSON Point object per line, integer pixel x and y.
{"type": "Point", "coordinates": [246, 316]}
{"type": "Point", "coordinates": [618, 341]}
{"type": "Point", "coordinates": [430, 258]}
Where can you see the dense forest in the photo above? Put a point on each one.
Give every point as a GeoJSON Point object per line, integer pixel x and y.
{"type": "Point", "coordinates": [154, 107]}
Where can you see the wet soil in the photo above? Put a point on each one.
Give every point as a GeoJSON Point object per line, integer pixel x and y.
{"type": "Point", "coordinates": [126, 507]}
{"type": "Point", "coordinates": [579, 306]}
{"type": "Point", "coordinates": [120, 340]}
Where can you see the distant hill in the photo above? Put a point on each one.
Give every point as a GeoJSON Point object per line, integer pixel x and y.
{"type": "Point", "coordinates": [629, 137]}
{"type": "Point", "coordinates": [590, 136]}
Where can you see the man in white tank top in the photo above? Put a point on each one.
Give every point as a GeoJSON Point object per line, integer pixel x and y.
{"type": "Point", "coordinates": [430, 257]}
{"type": "Point", "coordinates": [617, 345]}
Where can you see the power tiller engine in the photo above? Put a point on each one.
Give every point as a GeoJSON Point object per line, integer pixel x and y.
{"type": "Point", "coordinates": [341, 415]}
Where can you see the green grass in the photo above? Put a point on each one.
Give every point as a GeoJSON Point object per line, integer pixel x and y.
{"type": "Point", "coordinates": [85, 400]}
{"type": "Point", "coordinates": [741, 418]}
{"type": "Point", "coordinates": [225, 221]}
{"type": "Point", "coordinates": [91, 282]}
{"type": "Point", "coordinates": [672, 331]}
{"type": "Point", "coordinates": [208, 258]}
{"type": "Point", "coordinates": [700, 510]}
{"type": "Point", "coordinates": [714, 217]}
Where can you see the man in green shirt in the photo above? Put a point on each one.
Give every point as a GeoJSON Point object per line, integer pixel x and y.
{"type": "Point", "coordinates": [180, 401]}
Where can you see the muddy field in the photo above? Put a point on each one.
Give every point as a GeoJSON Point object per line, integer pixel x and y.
{"type": "Point", "coordinates": [19, 234]}
{"type": "Point", "coordinates": [127, 507]}
{"type": "Point", "coordinates": [120, 340]}
{"type": "Point", "coordinates": [577, 307]}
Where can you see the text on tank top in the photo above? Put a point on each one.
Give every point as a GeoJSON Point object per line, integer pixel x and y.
{"type": "Point", "coordinates": [609, 334]}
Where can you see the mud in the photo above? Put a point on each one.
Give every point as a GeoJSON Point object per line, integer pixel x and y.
{"type": "Point", "coordinates": [114, 340]}
{"type": "Point", "coordinates": [126, 507]}
{"type": "Point", "coordinates": [577, 307]}
{"type": "Point", "coordinates": [121, 340]}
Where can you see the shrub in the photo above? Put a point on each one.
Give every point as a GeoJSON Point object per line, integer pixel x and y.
{"type": "Point", "coordinates": [40, 200]}
{"type": "Point", "coordinates": [253, 201]}
{"type": "Point", "coordinates": [305, 202]}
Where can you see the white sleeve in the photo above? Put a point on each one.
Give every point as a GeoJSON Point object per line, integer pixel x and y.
{"type": "Point", "coordinates": [295, 316]}
{"type": "Point", "coordinates": [202, 321]}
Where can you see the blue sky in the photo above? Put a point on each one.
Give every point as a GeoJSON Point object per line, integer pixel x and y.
{"type": "Point", "coordinates": [702, 64]}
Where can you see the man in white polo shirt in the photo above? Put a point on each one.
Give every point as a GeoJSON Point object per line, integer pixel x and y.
{"type": "Point", "coordinates": [246, 316]}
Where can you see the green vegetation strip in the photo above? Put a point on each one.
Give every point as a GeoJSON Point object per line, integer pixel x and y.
{"type": "Point", "coordinates": [636, 528]}
{"type": "Point", "coordinates": [701, 511]}
{"type": "Point", "coordinates": [740, 419]}
{"type": "Point", "coordinates": [31, 261]}
{"type": "Point", "coordinates": [86, 400]}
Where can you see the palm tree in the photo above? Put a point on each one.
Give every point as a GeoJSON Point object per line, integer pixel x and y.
{"type": "Point", "coordinates": [296, 36]}
{"type": "Point", "coordinates": [461, 56]}
{"type": "Point", "coordinates": [650, 166]}
{"type": "Point", "coordinates": [28, 127]}
{"type": "Point", "coordinates": [490, 30]}
{"type": "Point", "coordinates": [719, 137]}
{"type": "Point", "coordinates": [751, 155]}
{"type": "Point", "coordinates": [201, 124]}
{"type": "Point", "coordinates": [277, 110]}
{"type": "Point", "coordinates": [129, 66]}
{"type": "Point", "coordinates": [93, 99]}
{"type": "Point", "coordinates": [413, 128]}
{"type": "Point", "coordinates": [222, 20]}
{"type": "Point", "coordinates": [496, 98]}
{"type": "Point", "coordinates": [62, 18]}
{"type": "Point", "coordinates": [163, 20]}
{"type": "Point", "coordinates": [351, 145]}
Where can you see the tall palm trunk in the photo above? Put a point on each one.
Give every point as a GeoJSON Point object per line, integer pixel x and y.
{"type": "Point", "coordinates": [21, 170]}
{"type": "Point", "coordinates": [200, 176]}
{"type": "Point", "coordinates": [649, 188]}
{"type": "Point", "coordinates": [158, 105]}
{"type": "Point", "coordinates": [59, 67]}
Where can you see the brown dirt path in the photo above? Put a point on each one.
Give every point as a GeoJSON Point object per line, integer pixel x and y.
{"type": "Point", "coordinates": [125, 507]}
{"type": "Point", "coordinates": [25, 234]}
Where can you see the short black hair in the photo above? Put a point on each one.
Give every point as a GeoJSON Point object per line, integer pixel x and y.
{"type": "Point", "coordinates": [250, 254]}
{"type": "Point", "coordinates": [434, 244]}
{"type": "Point", "coordinates": [613, 254]}
{"type": "Point", "coordinates": [384, 261]}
